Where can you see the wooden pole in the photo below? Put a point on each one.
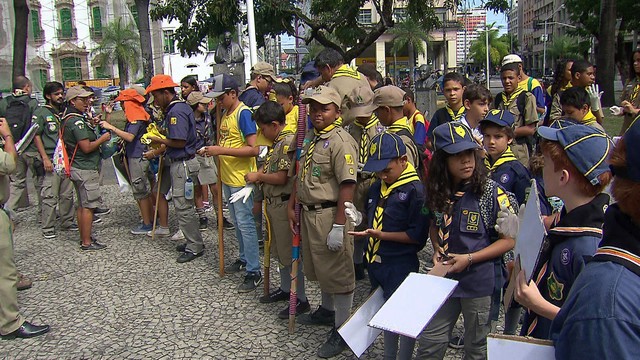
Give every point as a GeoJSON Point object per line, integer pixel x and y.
{"type": "Point", "coordinates": [219, 193]}
{"type": "Point", "coordinates": [155, 209]}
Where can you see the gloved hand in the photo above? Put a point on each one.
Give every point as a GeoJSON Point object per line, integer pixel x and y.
{"type": "Point", "coordinates": [594, 96]}
{"type": "Point", "coordinates": [243, 194]}
{"type": "Point", "coordinates": [352, 213]}
{"type": "Point", "coordinates": [508, 223]}
{"type": "Point", "coordinates": [262, 154]}
{"type": "Point", "coordinates": [335, 238]}
{"type": "Point", "coordinates": [616, 110]}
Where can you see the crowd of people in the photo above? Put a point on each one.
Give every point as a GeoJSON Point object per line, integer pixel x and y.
{"type": "Point", "coordinates": [374, 180]}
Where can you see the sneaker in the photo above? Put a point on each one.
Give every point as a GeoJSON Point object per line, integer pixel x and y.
{"type": "Point", "coordinates": [72, 227]}
{"type": "Point", "coordinates": [23, 283]}
{"type": "Point", "coordinates": [94, 246]}
{"type": "Point", "coordinates": [188, 256]}
{"type": "Point", "coordinates": [457, 342]}
{"type": "Point", "coordinates": [334, 345]}
{"type": "Point", "coordinates": [207, 207]}
{"type": "Point", "coordinates": [204, 222]}
{"type": "Point", "coordinates": [141, 229]}
{"type": "Point", "coordinates": [261, 243]}
{"type": "Point", "coordinates": [49, 234]}
{"type": "Point", "coordinates": [250, 283]}
{"type": "Point", "coordinates": [301, 308]}
{"type": "Point", "coordinates": [227, 224]}
{"type": "Point", "coordinates": [321, 317]}
{"type": "Point", "coordinates": [160, 231]}
{"type": "Point", "coordinates": [178, 236]}
{"type": "Point", "coordinates": [237, 266]}
{"type": "Point", "coordinates": [274, 296]}
{"type": "Point", "coordinates": [96, 219]}
{"type": "Point", "coordinates": [100, 211]}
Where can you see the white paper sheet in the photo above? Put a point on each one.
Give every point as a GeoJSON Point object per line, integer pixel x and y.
{"type": "Point", "coordinates": [355, 331]}
{"type": "Point", "coordinates": [520, 349]}
{"type": "Point", "coordinates": [414, 304]}
{"type": "Point", "coordinates": [531, 234]}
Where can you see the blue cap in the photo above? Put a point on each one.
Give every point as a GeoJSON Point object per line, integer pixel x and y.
{"type": "Point", "coordinates": [221, 84]}
{"type": "Point", "coordinates": [587, 147]}
{"type": "Point", "coordinates": [499, 117]}
{"type": "Point", "coordinates": [384, 147]}
{"type": "Point", "coordinates": [453, 137]}
{"type": "Point", "coordinates": [631, 136]}
{"type": "Point", "coordinates": [563, 123]}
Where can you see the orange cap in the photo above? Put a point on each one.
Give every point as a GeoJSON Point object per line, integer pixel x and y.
{"type": "Point", "coordinates": [130, 95]}
{"type": "Point", "coordinates": [161, 81]}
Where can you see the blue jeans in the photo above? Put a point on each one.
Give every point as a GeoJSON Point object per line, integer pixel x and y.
{"type": "Point", "coordinates": [242, 217]}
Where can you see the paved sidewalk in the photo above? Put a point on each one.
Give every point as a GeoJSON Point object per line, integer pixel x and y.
{"type": "Point", "coordinates": [134, 301]}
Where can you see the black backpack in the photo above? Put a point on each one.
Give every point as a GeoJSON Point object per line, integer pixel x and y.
{"type": "Point", "coordinates": [18, 117]}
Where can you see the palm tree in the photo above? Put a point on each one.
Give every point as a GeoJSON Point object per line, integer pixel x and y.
{"type": "Point", "coordinates": [409, 34]}
{"type": "Point", "coordinates": [563, 47]}
{"type": "Point", "coordinates": [120, 45]}
{"type": "Point", "coordinates": [498, 46]}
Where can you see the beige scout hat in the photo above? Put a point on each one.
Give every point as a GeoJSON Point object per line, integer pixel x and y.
{"type": "Point", "coordinates": [197, 97]}
{"type": "Point", "coordinates": [391, 96]}
{"type": "Point", "coordinates": [264, 69]}
{"type": "Point", "coordinates": [360, 102]}
{"type": "Point", "coordinates": [511, 59]}
{"type": "Point", "coordinates": [76, 91]}
{"type": "Point", "coordinates": [323, 95]}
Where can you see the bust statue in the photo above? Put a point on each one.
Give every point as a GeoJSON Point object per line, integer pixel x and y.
{"type": "Point", "coordinates": [228, 51]}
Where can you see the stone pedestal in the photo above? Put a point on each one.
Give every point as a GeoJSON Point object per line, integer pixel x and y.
{"type": "Point", "coordinates": [236, 70]}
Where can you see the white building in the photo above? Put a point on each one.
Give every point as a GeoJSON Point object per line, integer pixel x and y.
{"type": "Point", "coordinates": [472, 21]}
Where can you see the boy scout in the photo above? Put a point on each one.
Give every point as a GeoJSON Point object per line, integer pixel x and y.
{"type": "Point", "coordinates": [277, 186]}
{"type": "Point", "coordinates": [12, 324]}
{"type": "Point", "coordinates": [326, 182]}
{"type": "Point", "coordinates": [577, 106]}
{"type": "Point", "coordinates": [366, 126]}
{"type": "Point", "coordinates": [180, 154]}
{"type": "Point", "coordinates": [56, 190]}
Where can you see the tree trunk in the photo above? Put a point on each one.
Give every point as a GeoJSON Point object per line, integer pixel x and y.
{"type": "Point", "coordinates": [145, 39]}
{"type": "Point", "coordinates": [412, 62]}
{"type": "Point", "coordinates": [122, 73]}
{"type": "Point", "coordinates": [605, 61]}
{"type": "Point", "coordinates": [21, 11]}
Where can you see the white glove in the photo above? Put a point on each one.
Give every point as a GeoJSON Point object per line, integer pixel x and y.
{"type": "Point", "coordinates": [350, 211]}
{"type": "Point", "coordinates": [616, 110]}
{"type": "Point", "coordinates": [508, 223]}
{"type": "Point", "coordinates": [335, 237]}
{"type": "Point", "coordinates": [594, 96]}
{"type": "Point", "coordinates": [243, 194]}
{"type": "Point", "coordinates": [262, 154]}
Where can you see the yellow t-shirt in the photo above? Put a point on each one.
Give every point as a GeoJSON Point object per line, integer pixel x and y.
{"type": "Point", "coordinates": [292, 119]}
{"type": "Point", "coordinates": [417, 117]}
{"type": "Point", "coordinates": [232, 168]}
{"type": "Point", "coordinates": [524, 84]}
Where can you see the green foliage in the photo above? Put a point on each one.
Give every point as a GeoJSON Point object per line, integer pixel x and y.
{"type": "Point", "coordinates": [564, 47]}
{"type": "Point", "coordinates": [120, 45]}
{"type": "Point", "coordinates": [587, 14]}
{"type": "Point", "coordinates": [408, 32]}
{"type": "Point", "coordinates": [498, 47]}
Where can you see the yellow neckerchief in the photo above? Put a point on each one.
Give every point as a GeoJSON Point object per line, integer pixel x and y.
{"type": "Point", "coordinates": [281, 135]}
{"type": "Point", "coordinates": [506, 156]}
{"type": "Point", "coordinates": [636, 90]}
{"type": "Point", "coordinates": [399, 125]}
{"type": "Point", "coordinates": [408, 175]}
{"type": "Point", "coordinates": [507, 100]}
{"type": "Point", "coordinates": [363, 151]}
{"type": "Point", "coordinates": [455, 115]}
{"type": "Point", "coordinates": [317, 133]}
{"type": "Point", "coordinates": [588, 119]}
{"type": "Point", "coordinates": [345, 70]}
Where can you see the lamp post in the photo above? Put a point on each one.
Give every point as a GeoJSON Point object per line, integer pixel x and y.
{"type": "Point", "coordinates": [545, 37]}
{"type": "Point", "coordinates": [486, 39]}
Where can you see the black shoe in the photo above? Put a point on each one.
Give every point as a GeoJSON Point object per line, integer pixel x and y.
{"type": "Point", "coordinates": [188, 256]}
{"type": "Point", "coordinates": [227, 224]}
{"type": "Point", "coordinates": [457, 342]}
{"type": "Point", "coordinates": [183, 247]}
{"type": "Point", "coordinates": [204, 223]}
{"type": "Point", "coordinates": [334, 345]}
{"type": "Point", "coordinates": [96, 219]}
{"type": "Point", "coordinates": [359, 271]}
{"type": "Point", "coordinates": [100, 211]}
{"type": "Point", "coordinates": [250, 283]}
{"type": "Point", "coordinates": [301, 308]}
{"type": "Point", "coordinates": [94, 246]}
{"type": "Point", "coordinates": [237, 266]}
{"type": "Point", "coordinates": [28, 330]}
{"type": "Point", "coordinates": [321, 316]}
{"type": "Point", "coordinates": [274, 296]}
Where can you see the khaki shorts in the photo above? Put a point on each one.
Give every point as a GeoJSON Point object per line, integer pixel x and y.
{"type": "Point", "coordinates": [278, 227]}
{"type": "Point", "coordinates": [87, 185]}
{"type": "Point", "coordinates": [139, 174]}
{"type": "Point", "coordinates": [332, 269]}
{"type": "Point", "coordinates": [208, 173]}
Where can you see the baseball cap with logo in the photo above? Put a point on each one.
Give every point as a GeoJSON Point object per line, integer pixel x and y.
{"type": "Point", "coordinates": [264, 69]}
{"type": "Point", "coordinates": [76, 91]}
{"type": "Point", "coordinates": [499, 117]}
{"type": "Point", "coordinates": [161, 81]}
{"type": "Point", "coordinates": [197, 97]}
{"type": "Point", "coordinates": [384, 147]}
{"type": "Point", "coordinates": [391, 96]}
{"type": "Point", "coordinates": [453, 138]}
{"type": "Point", "coordinates": [221, 84]}
{"type": "Point", "coordinates": [323, 95]}
{"type": "Point", "coordinates": [587, 147]}
{"type": "Point", "coordinates": [360, 102]}
{"type": "Point", "coordinates": [511, 59]}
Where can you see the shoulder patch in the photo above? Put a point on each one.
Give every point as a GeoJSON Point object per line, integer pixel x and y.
{"type": "Point", "coordinates": [173, 120]}
{"type": "Point", "coordinates": [565, 256]}
{"type": "Point", "coordinates": [79, 124]}
{"type": "Point", "coordinates": [348, 159]}
{"type": "Point", "coordinates": [504, 178]}
{"type": "Point", "coordinates": [555, 287]}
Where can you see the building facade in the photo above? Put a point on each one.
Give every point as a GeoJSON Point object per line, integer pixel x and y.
{"type": "Point", "coordinates": [473, 22]}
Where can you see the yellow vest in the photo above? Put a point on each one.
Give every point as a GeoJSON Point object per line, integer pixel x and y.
{"type": "Point", "coordinates": [232, 168]}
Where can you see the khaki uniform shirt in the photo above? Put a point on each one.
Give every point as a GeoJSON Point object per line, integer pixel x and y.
{"type": "Point", "coordinates": [333, 161]}
{"type": "Point", "coordinates": [7, 167]}
{"type": "Point", "coordinates": [344, 85]}
{"type": "Point", "coordinates": [279, 160]}
{"type": "Point", "coordinates": [364, 180]}
{"type": "Point", "coordinates": [530, 116]}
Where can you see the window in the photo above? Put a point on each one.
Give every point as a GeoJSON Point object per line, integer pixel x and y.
{"type": "Point", "coordinates": [101, 73]}
{"type": "Point", "coordinates": [134, 12]}
{"type": "Point", "coordinates": [71, 68]}
{"type": "Point", "coordinates": [399, 14]}
{"type": "Point", "coordinates": [365, 16]}
{"type": "Point", "coordinates": [96, 21]}
{"type": "Point", "coordinates": [42, 75]}
{"type": "Point", "coordinates": [66, 26]}
{"type": "Point", "coordinates": [169, 42]}
{"type": "Point", "coordinates": [38, 34]}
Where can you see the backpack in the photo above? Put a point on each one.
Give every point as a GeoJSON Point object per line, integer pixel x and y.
{"type": "Point", "coordinates": [521, 103]}
{"type": "Point", "coordinates": [18, 116]}
{"type": "Point", "coordinates": [60, 158]}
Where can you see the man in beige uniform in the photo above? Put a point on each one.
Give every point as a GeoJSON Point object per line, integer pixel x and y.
{"type": "Point", "coordinates": [326, 181]}
{"type": "Point", "coordinates": [12, 324]}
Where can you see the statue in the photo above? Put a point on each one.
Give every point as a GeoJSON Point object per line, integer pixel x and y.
{"type": "Point", "coordinates": [229, 51]}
